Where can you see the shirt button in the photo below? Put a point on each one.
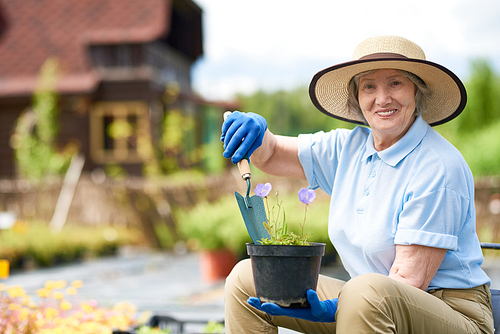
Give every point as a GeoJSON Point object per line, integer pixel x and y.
{"type": "Point", "coordinates": [373, 174]}
{"type": "Point", "coordinates": [367, 192]}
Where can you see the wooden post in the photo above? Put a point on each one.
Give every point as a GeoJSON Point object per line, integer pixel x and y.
{"type": "Point", "coordinates": [67, 192]}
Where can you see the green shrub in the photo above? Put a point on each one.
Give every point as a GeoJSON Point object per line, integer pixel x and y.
{"type": "Point", "coordinates": [214, 225]}
{"type": "Point", "coordinates": [481, 150]}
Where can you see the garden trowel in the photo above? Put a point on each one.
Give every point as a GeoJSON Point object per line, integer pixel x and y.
{"type": "Point", "coordinates": [251, 207]}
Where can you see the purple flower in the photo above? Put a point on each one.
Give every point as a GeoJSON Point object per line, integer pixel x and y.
{"type": "Point", "coordinates": [306, 196]}
{"type": "Point", "coordinates": [262, 190]}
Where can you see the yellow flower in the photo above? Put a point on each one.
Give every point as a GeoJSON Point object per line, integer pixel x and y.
{"type": "Point", "coordinates": [43, 293]}
{"type": "Point", "coordinates": [87, 308]}
{"type": "Point", "coordinates": [40, 321]}
{"type": "Point", "coordinates": [58, 295]}
{"type": "Point", "coordinates": [14, 307]}
{"type": "Point", "coordinates": [51, 313]}
{"type": "Point", "coordinates": [63, 319]}
{"type": "Point", "coordinates": [61, 284]}
{"type": "Point", "coordinates": [50, 285]}
{"type": "Point", "coordinates": [2, 287]}
{"type": "Point", "coordinates": [23, 315]}
{"type": "Point", "coordinates": [125, 307]}
{"type": "Point", "coordinates": [77, 284]}
{"type": "Point", "coordinates": [26, 300]}
{"type": "Point", "coordinates": [65, 305]}
{"type": "Point", "coordinates": [16, 291]}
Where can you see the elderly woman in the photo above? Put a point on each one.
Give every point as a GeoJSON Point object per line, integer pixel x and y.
{"type": "Point", "coordinates": [402, 214]}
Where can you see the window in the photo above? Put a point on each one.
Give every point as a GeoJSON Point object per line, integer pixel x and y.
{"type": "Point", "coordinates": [119, 132]}
{"type": "Point", "coordinates": [117, 55]}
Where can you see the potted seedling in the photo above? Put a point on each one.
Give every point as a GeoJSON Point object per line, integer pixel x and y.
{"type": "Point", "coordinates": [286, 264]}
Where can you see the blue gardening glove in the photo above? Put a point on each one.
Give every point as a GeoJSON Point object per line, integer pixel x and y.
{"type": "Point", "coordinates": [242, 134]}
{"type": "Point", "coordinates": [320, 311]}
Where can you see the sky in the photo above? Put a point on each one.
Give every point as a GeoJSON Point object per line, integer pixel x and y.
{"type": "Point", "coordinates": [278, 44]}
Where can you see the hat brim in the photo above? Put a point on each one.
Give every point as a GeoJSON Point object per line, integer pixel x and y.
{"type": "Point", "coordinates": [329, 88]}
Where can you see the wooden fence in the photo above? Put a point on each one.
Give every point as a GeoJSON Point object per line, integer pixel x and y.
{"type": "Point", "coordinates": [98, 200]}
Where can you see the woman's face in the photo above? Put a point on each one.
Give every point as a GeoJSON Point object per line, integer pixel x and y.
{"type": "Point", "coordinates": [387, 99]}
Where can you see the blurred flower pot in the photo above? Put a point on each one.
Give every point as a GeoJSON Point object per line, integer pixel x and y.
{"type": "Point", "coordinates": [216, 264]}
{"type": "Point", "coordinates": [284, 273]}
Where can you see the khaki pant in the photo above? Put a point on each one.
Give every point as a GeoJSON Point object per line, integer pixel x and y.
{"type": "Point", "coordinates": [370, 303]}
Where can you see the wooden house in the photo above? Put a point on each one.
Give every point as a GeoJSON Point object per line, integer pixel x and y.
{"type": "Point", "coordinates": [119, 60]}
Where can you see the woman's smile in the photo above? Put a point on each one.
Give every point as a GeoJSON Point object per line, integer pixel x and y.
{"type": "Point", "coordinates": [387, 112]}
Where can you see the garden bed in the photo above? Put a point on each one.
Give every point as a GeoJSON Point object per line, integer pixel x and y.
{"type": "Point", "coordinates": [32, 245]}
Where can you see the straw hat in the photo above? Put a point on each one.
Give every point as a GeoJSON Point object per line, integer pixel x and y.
{"type": "Point", "coordinates": [329, 87]}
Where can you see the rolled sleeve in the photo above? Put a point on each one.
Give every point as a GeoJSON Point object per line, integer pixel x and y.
{"type": "Point", "coordinates": [434, 219]}
{"type": "Point", "coordinates": [306, 159]}
{"type": "Point", "coordinates": [430, 239]}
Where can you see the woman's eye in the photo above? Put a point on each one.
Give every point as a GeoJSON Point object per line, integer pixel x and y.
{"type": "Point", "coordinates": [396, 83]}
{"type": "Point", "coordinates": [369, 86]}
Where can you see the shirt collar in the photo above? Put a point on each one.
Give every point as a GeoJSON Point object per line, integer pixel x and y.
{"type": "Point", "coordinates": [397, 152]}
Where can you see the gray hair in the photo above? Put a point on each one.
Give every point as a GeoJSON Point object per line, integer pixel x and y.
{"type": "Point", "coordinates": [422, 93]}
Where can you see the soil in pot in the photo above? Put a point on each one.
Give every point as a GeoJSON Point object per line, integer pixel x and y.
{"type": "Point", "coordinates": [284, 273]}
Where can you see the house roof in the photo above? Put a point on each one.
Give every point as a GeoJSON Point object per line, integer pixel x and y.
{"type": "Point", "coordinates": [33, 30]}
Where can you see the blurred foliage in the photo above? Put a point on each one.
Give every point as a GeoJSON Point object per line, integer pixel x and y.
{"type": "Point", "coordinates": [152, 330]}
{"type": "Point", "coordinates": [175, 126]}
{"type": "Point", "coordinates": [483, 106]}
{"type": "Point", "coordinates": [211, 226]}
{"type": "Point", "coordinates": [165, 236]}
{"type": "Point", "coordinates": [34, 140]}
{"type": "Point", "coordinates": [476, 132]}
{"type": "Point", "coordinates": [115, 171]}
{"type": "Point", "coordinates": [33, 243]}
{"type": "Point", "coordinates": [214, 327]}
{"type": "Point", "coordinates": [211, 151]}
{"type": "Point", "coordinates": [177, 141]}
{"type": "Point", "coordinates": [290, 112]}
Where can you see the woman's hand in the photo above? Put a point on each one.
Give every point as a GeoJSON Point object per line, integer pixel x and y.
{"type": "Point", "coordinates": [246, 134]}
{"type": "Point", "coordinates": [319, 311]}
{"type": "Point", "coordinates": [416, 265]}
{"type": "Point", "coordinates": [242, 134]}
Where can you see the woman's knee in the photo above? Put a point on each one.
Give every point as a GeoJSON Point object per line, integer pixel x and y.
{"type": "Point", "coordinates": [365, 291]}
{"type": "Point", "coordinates": [240, 279]}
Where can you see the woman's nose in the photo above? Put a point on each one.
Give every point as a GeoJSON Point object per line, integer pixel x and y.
{"type": "Point", "coordinates": [383, 97]}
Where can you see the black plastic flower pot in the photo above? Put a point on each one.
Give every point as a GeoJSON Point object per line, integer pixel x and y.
{"type": "Point", "coordinates": [284, 273]}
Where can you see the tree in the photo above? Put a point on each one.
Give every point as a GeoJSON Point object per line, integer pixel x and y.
{"type": "Point", "coordinates": [37, 128]}
{"type": "Point", "coordinates": [476, 131]}
{"type": "Point", "coordinates": [289, 112]}
{"type": "Point", "coordinates": [483, 105]}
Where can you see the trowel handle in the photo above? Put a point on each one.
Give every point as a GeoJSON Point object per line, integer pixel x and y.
{"type": "Point", "coordinates": [244, 169]}
{"type": "Point", "coordinates": [243, 165]}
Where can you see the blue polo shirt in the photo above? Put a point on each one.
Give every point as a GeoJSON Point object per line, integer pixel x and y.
{"type": "Point", "coordinates": [418, 191]}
